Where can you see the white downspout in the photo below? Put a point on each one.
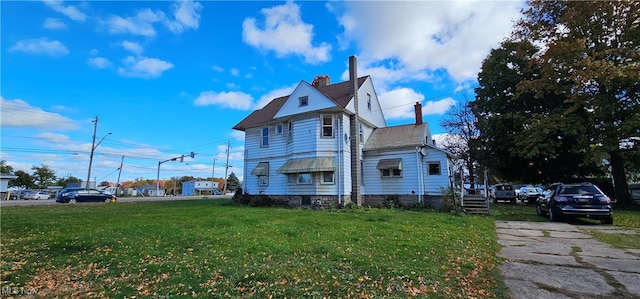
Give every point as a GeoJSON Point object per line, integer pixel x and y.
{"type": "Point", "coordinates": [419, 163]}
{"type": "Point", "coordinates": [340, 153]}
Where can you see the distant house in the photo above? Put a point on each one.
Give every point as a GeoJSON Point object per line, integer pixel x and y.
{"type": "Point", "coordinates": [195, 187]}
{"type": "Point", "coordinates": [150, 190]}
{"type": "Point", "coordinates": [329, 144]}
{"type": "Point", "coordinates": [4, 183]}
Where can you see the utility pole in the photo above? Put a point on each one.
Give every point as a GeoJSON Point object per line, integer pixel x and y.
{"type": "Point", "coordinates": [93, 147]}
{"type": "Point", "coordinates": [224, 192]}
{"type": "Point", "coordinates": [213, 173]}
{"type": "Point", "coordinates": [119, 172]}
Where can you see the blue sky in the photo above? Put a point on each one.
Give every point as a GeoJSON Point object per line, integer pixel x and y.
{"type": "Point", "coordinates": [170, 78]}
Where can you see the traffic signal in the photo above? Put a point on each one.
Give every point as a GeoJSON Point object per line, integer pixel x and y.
{"type": "Point", "coordinates": [193, 155]}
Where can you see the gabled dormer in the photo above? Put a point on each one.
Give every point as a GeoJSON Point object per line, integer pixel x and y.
{"type": "Point", "coordinates": [304, 98]}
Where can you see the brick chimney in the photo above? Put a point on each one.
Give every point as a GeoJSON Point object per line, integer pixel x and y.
{"type": "Point", "coordinates": [321, 81]}
{"type": "Point", "coordinates": [418, 109]}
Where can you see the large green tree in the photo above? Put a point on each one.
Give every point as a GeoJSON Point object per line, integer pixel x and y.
{"type": "Point", "coordinates": [525, 134]}
{"type": "Point", "coordinates": [593, 48]}
{"type": "Point", "coordinates": [43, 176]}
{"type": "Point", "coordinates": [232, 182]}
{"type": "Point", "coordinates": [24, 180]}
{"type": "Point", "coordinates": [4, 168]}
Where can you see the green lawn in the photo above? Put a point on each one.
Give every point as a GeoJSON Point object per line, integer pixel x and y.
{"type": "Point", "coordinates": [214, 248]}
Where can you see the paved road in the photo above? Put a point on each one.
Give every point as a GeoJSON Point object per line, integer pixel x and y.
{"type": "Point", "coordinates": [558, 260]}
{"type": "Point", "coordinates": [9, 203]}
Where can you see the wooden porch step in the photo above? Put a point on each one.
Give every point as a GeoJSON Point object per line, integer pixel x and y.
{"type": "Point", "coordinates": [475, 205]}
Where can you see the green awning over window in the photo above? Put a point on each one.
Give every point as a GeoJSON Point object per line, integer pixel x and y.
{"type": "Point", "coordinates": [261, 170]}
{"type": "Point", "coordinates": [390, 164]}
{"type": "Point", "coordinates": [308, 165]}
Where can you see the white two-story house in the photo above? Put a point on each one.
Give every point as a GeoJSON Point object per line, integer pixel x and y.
{"type": "Point", "coordinates": [329, 144]}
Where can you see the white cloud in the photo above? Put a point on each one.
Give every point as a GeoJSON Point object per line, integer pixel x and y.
{"type": "Point", "coordinates": [142, 67]}
{"type": "Point", "coordinates": [232, 99]}
{"type": "Point", "coordinates": [276, 93]}
{"type": "Point", "coordinates": [70, 11]}
{"type": "Point", "coordinates": [19, 114]}
{"type": "Point", "coordinates": [99, 62]}
{"type": "Point", "coordinates": [285, 33]}
{"type": "Point", "coordinates": [234, 72]}
{"type": "Point", "coordinates": [232, 85]}
{"type": "Point", "coordinates": [140, 24]}
{"type": "Point", "coordinates": [438, 107]}
{"type": "Point", "coordinates": [425, 36]}
{"type": "Point", "coordinates": [217, 68]}
{"type": "Point", "coordinates": [187, 16]}
{"type": "Point", "coordinates": [54, 137]}
{"type": "Point", "coordinates": [40, 46]}
{"type": "Point", "coordinates": [54, 24]}
{"type": "Point", "coordinates": [132, 47]}
{"type": "Point", "coordinates": [398, 103]}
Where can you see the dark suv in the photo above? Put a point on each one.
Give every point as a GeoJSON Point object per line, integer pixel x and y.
{"type": "Point", "coordinates": [73, 195]}
{"type": "Point", "coordinates": [584, 200]}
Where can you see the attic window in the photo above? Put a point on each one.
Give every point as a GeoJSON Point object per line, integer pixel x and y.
{"type": "Point", "coordinates": [303, 101]}
{"type": "Point", "coordinates": [369, 102]}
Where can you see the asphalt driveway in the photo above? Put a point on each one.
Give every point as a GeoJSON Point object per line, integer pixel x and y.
{"type": "Point", "coordinates": [559, 260]}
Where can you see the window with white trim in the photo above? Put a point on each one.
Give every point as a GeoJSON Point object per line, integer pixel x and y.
{"type": "Point", "coordinates": [265, 137]}
{"type": "Point", "coordinates": [303, 101]}
{"type": "Point", "coordinates": [304, 178]}
{"type": "Point", "coordinates": [369, 102]}
{"type": "Point", "coordinates": [434, 168]}
{"type": "Point", "coordinates": [328, 177]}
{"type": "Point", "coordinates": [390, 168]}
{"type": "Point", "coordinates": [290, 131]}
{"type": "Point", "coordinates": [361, 135]}
{"type": "Point", "coordinates": [327, 126]}
{"type": "Point", "coordinates": [279, 128]}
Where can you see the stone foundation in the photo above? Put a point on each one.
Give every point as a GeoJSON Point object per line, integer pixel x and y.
{"type": "Point", "coordinates": [331, 201]}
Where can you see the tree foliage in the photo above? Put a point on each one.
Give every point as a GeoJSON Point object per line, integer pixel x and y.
{"type": "Point", "coordinates": [43, 176]}
{"type": "Point", "coordinates": [4, 168]}
{"type": "Point", "coordinates": [232, 182]}
{"type": "Point", "coordinates": [64, 182]}
{"type": "Point", "coordinates": [24, 180]}
{"type": "Point", "coordinates": [562, 94]}
{"type": "Point", "coordinates": [461, 140]}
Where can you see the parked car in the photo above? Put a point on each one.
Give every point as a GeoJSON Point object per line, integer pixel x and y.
{"type": "Point", "coordinates": [35, 195]}
{"type": "Point", "coordinates": [74, 195]}
{"type": "Point", "coordinates": [529, 194]}
{"type": "Point", "coordinates": [516, 188]}
{"type": "Point", "coordinates": [584, 200]}
{"type": "Point", "coordinates": [503, 192]}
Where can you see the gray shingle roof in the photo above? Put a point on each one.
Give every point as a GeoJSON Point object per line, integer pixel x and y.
{"type": "Point", "coordinates": [339, 93]}
{"type": "Point", "coordinates": [397, 136]}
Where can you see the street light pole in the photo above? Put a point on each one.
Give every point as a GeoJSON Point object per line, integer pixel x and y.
{"type": "Point", "coordinates": [93, 148]}
{"type": "Point", "coordinates": [192, 155]}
